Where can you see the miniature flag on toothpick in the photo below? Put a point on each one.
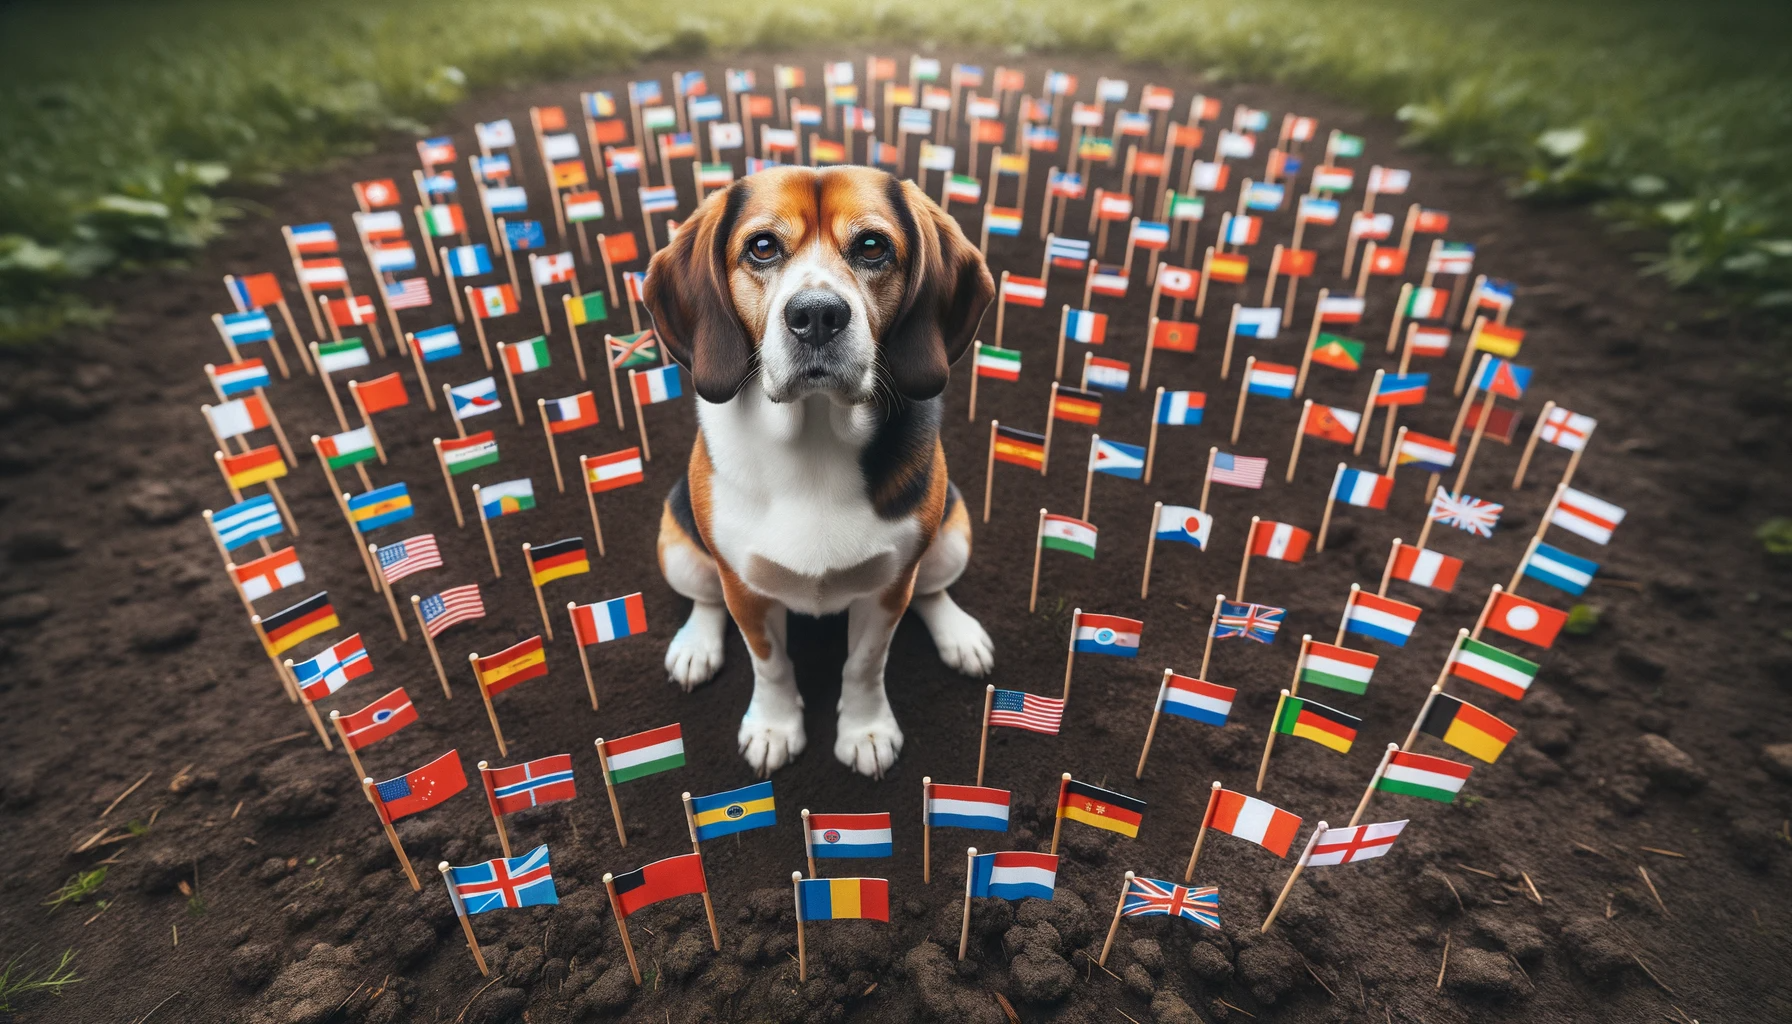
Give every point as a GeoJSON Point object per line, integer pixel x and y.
{"type": "Point", "coordinates": [1380, 618]}
{"type": "Point", "coordinates": [1469, 514]}
{"type": "Point", "coordinates": [1423, 776]}
{"type": "Point", "coordinates": [1559, 569]}
{"type": "Point", "coordinates": [1338, 668]}
{"type": "Point", "coordinates": [1425, 567]}
{"type": "Point", "coordinates": [320, 676]}
{"type": "Point", "coordinates": [1253, 820]}
{"type": "Point", "coordinates": [1505, 674]}
{"type": "Point", "coordinates": [1197, 699]}
{"type": "Point", "coordinates": [1466, 727]}
{"type": "Point", "coordinates": [1099, 808]}
{"type": "Point", "coordinates": [1063, 533]}
{"type": "Point", "coordinates": [1184, 524]}
{"type": "Point", "coordinates": [1258, 622]}
{"type": "Point", "coordinates": [738, 810]}
{"type": "Point", "coordinates": [840, 836]}
{"type": "Point", "coordinates": [1031, 712]}
{"type": "Point", "coordinates": [1586, 516]}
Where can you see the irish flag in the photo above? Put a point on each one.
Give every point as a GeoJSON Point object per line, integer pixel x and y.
{"type": "Point", "coordinates": [645, 753]}
{"type": "Point", "coordinates": [1000, 363]}
{"type": "Point", "coordinates": [1421, 775]}
{"type": "Point", "coordinates": [1505, 674]}
{"type": "Point", "coordinates": [1339, 668]}
{"type": "Point", "coordinates": [1062, 533]}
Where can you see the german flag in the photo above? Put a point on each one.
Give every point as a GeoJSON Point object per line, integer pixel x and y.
{"type": "Point", "coordinates": [1021, 447]}
{"type": "Point", "coordinates": [1325, 726]}
{"type": "Point", "coordinates": [561, 558]}
{"type": "Point", "coordinates": [1077, 406]}
{"type": "Point", "coordinates": [501, 671]}
{"type": "Point", "coordinates": [253, 467]}
{"type": "Point", "coordinates": [1467, 728]}
{"type": "Point", "coordinates": [293, 626]}
{"type": "Point", "coordinates": [1100, 808]}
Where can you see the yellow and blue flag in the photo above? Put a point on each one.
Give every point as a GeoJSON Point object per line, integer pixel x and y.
{"type": "Point", "coordinates": [738, 810]}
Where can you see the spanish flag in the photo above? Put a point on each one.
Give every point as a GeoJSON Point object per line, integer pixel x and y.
{"type": "Point", "coordinates": [1229, 267]}
{"type": "Point", "coordinates": [1100, 808]}
{"type": "Point", "coordinates": [501, 671]}
{"type": "Point", "coordinates": [559, 559]}
{"type": "Point", "coordinates": [253, 467]}
{"type": "Point", "coordinates": [1467, 728]}
{"type": "Point", "coordinates": [1311, 720]}
{"type": "Point", "coordinates": [1077, 406]}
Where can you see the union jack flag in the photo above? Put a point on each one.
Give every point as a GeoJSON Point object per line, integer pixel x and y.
{"type": "Point", "coordinates": [1148, 897]}
{"type": "Point", "coordinates": [1469, 514]}
{"type": "Point", "coordinates": [1257, 622]}
{"type": "Point", "coordinates": [526, 881]}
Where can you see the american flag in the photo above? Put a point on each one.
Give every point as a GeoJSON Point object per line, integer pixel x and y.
{"type": "Point", "coordinates": [1257, 622]}
{"type": "Point", "coordinates": [411, 293]}
{"type": "Point", "coordinates": [1026, 711]}
{"type": "Point", "coordinates": [1237, 470]}
{"type": "Point", "coordinates": [1148, 897]}
{"type": "Point", "coordinates": [462, 604]}
{"type": "Point", "coordinates": [414, 554]}
{"type": "Point", "coordinates": [1469, 514]}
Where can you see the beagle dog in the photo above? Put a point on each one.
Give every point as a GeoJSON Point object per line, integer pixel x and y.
{"type": "Point", "coordinates": [818, 313]}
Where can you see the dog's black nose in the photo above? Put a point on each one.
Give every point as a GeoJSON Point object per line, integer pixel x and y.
{"type": "Point", "coordinates": [816, 316]}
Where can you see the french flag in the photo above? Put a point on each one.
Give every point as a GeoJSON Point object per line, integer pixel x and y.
{"type": "Point", "coordinates": [1187, 697]}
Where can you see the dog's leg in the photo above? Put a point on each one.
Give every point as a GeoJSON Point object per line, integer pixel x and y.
{"type": "Point", "coordinates": [868, 737]}
{"type": "Point", "coordinates": [771, 732]}
{"type": "Point", "coordinates": [695, 654]}
{"type": "Point", "coordinates": [961, 640]}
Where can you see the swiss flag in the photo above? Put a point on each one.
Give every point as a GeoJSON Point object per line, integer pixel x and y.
{"type": "Point", "coordinates": [1525, 620]}
{"type": "Point", "coordinates": [377, 194]}
{"type": "Point", "coordinates": [1387, 262]}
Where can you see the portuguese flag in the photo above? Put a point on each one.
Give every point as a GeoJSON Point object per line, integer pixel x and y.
{"type": "Point", "coordinates": [1421, 775]}
{"type": "Point", "coordinates": [1325, 726]}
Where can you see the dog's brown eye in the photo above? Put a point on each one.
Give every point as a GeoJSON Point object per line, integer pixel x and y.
{"type": "Point", "coordinates": [762, 248]}
{"type": "Point", "coordinates": [872, 249]}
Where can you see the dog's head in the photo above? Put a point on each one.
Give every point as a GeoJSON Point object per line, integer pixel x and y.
{"type": "Point", "coordinates": [826, 280]}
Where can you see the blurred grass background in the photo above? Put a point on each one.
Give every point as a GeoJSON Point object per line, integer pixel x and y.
{"type": "Point", "coordinates": [119, 119]}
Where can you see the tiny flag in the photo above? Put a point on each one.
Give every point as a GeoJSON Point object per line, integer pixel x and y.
{"type": "Point", "coordinates": [609, 620]}
{"type": "Point", "coordinates": [341, 355]}
{"type": "Point", "coordinates": [1402, 389]}
{"type": "Point", "coordinates": [1077, 406]}
{"type": "Point", "coordinates": [378, 720]}
{"type": "Point", "coordinates": [841, 836]}
{"type": "Point", "coordinates": [408, 557]}
{"type": "Point", "coordinates": [1448, 257]}
{"type": "Point", "coordinates": [1110, 280]}
{"type": "Point", "coordinates": [1027, 711]}
{"type": "Point", "coordinates": [382, 393]}
{"type": "Point", "coordinates": [451, 607]}
{"type": "Point", "coordinates": [1586, 516]}
{"type": "Point", "coordinates": [1425, 567]}
{"type": "Point", "coordinates": [462, 454]}
{"type": "Point", "coordinates": [1283, 542]}
{"type": "Point", "coordinates": [1524, 619]}
{"type": "Point", "coordinates": [1100, 808]}
{"type": "Point", "coordinates": [1337, 352]}
{"type": "Point", "coordinates": [1561, 428]}
{"type": "Point", "coordinates": [1338, 668]}
{"type": "Point", "coordinates": [1148, 897]}
{"type": "Point", "coordinates": [515, 664]}
{"type": "Point", "coordinates": [381, 506]}
{"type": "Point", "coordinates": [1272, 380]}
{"type": "Point", "coordinates": [1502, 377]}
{"type": "Point", "coordinates": [657, 385]}
{"type": "Point", "coordinates": [1014, 876]}
{"type": "Point", "coordinates": [631, 350]}
{"type": "Point", "coordinates": [245, 328]}
{"type": "Point", "coordinates": [470, 260]}
{"type": "Point", "coordinates": [1229, 267]}
{"type": "Point", "coordinates": [1357, 842]}
{"type": "Point", "coordinates": [1465, 512]}
{"type": "Point", "coordinates": [645, 753]}
{"type": "Point", "coordinates": [1174, 335]}
{"type": "Point", "coordinates": [977, 807]}
{"type": "Point", "coordinates": [737, 810]}
{"type": "Point", "coordinates": [581, 207]}
{"type": "Point", "coordinates": [545, 780]}
{"type": "Point", "coordinates": [1188, 697]}
{"type": "Point", "coordinates": [1178, 282]}
{"type": "Point", "coordinates": [1498, 339]}
{"type": "Point", "coordinates": [494, 301]}
{"type": "Point", "coordinates": [1361, 488]}
{"type": "Point", "coordinates": [1341, 309]}
{"type": "Point", "coordinates": [1019, 447]}
{"type": "Point", "coordinates": [1003, 221]}
{"type": "Point", "coordinates": [1466, 727]}
{"type": "Point", "coordinates": [1387, 262]}
{"type": "Point", "coordinates": [247, 521]}
{"type": "Point", "coordinates": [506, 882]}
{"type": "Point", "coordinates": [1106, 634]}
{"type": "Point", "coordinates": [1000, 363]}
{"type": "Point", "coordinates": [1332, 423]}
{"type": "Point", "coordinates": [1086, 327]}
{"type": "Point", "coordinates": [1253, 820]}
{"type": "Point", "coordinates": [1184, 524]}
{"type": "Point", "coordinates": [320, 676]}
{"type": "Point", "coordinates": [256, 466]}
{"type": "Point", "coordinates": [1181, 408]}
{"type": "Point", "coordinates": [574, 412]}
{"type": "Point", "coordinates": [507, 498]}
{"type": "Point", "coordinates": [1381, 618]}
{"type": "Point", "coordinates": [662, 880]}
{"type": "Point", "coordinates": [558, 560]}
{"type": "Point", "coordinates": [1560, 569]}
{"type": "Point", "coordinates": [1024, 291]}
{"type": "Point", "coordinates": [616, 469]}
{"type": "Point", "coordinates": [1428, 303]}
{"type": "Point", "coordinates": [269, 573]}
{"type": "Point", "coordinates": [1068, 253]}
{"type": "Point", "coordinates": [526, 356]}
{"type": "Point", "coordinates": [255, 291]}
{"type": "Point", "coordinates": [1116, 458]}
{"type": "Point", "coordinates": [1238, 470]}
{"type": "Point", "coordinates": [1505, 674]}
{"type": "Point", "coordinates": [233, 379]}
{"type": "Point", "coordinates": [1432, 454]}
{"type": "Point", "coordinates": [1062, 533]}
{"type": "Point", "coordinates": [421, 789]}
{"type": "Point", "coordinates": [1423, 776]}
{"type": "Point", "coordinates": [844, 899]}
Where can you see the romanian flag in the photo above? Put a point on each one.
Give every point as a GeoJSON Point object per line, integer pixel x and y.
{"type": "Point", "coordinates": [1077, 406]}
{"type": "Point", "coordinates": [1020, 447]}
{"type": "Point", "coordinates": [289, 627]}
{"type": "Point", "coordinates": [844, 899]}
{"type": "Point", "coordinates": [1325, 726]}
{"type": "Point", "coordinates": [559, 559]}
{"type": "Point", "coordinates": [499, 672]}
{"type": "Point", "coordinates": [1467, 728]}
{"type": "Point", "coordinates": [253, 467]}
{"type": "Point", "coordinates": [1100, 808]}
{"type": "Point", "coordinates": [1229, 267]}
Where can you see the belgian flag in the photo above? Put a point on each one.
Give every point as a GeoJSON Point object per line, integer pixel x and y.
{"type": "Point", "coordinates": [1100, 808]}
{"type": "Point", "coordinates": [561, 558]}
{"type": "Point", "coordinates": [1325, 726]}
{"type": "Point", "coordinates": [290, 627]}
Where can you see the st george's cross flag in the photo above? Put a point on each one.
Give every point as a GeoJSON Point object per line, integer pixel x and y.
{"type": "Point", "coordinates": [974, 807]}
{"type": "Point", "coordinates": [330, 671]}
{"type": "Point", "coordinates": [838, 836]}
{"type": "Point", "coordinates": [376, 721]}
{"type": "Point", "coordinates": [1196, 699]}
{"type": "Point", "coordinates": [737, 810]}
{"type": "Point", "coordinates": [1381, 618]}
{"type": "Point", "coordinates": [1253, 820]}
{"type": "Point", "coordinates": [1263, 322]}
{"type": "Point", "coordinates": [1015, 875]}
{"type": "Point", "coordinates": [1568, 430]}
{"type": "Point", "coordinates": [1148, 897]}
{"type": "Point", "coordinates": [1352, 844]}
{"type": "Point", "coordinates": [1584, 515]}
{"type": "Point", "coordinates": [1184, 524]}
{"type": "Point", "coordinates": [1423, 776]}
{"type": "Point", "coordinates": [1106, 634]}
{"type": "Point", "coordinates": [1258, 622]}
{"type": "Point", "coordinates": [507, 882]}
{"type": "Point", "coordinates": [1425, 567]}
{"type": "Point", "coordinates": [1466, 513]}
{"type": "Point", "coordinates": [545, 780]}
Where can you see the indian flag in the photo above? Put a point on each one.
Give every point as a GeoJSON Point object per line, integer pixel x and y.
{"type": "Point", "coordinates": [444, 219]}
{"type": "Point", "coordinates": [644, 753]}
{"type": "Point", "coordinates": [1339, 668]}
{"type": "Point", "coordinates": [526, 356]}
{"type": "Point", "coordinates": [1420, 775]}
{"type": "Point", "coordinates": [346, 449]}
{"type": "Point", "coordinates": [1505, 674]}
{"type": "Point", "coordinates": [1062, 533]}
{"type": "Point", "coordinates": [1001, 363]}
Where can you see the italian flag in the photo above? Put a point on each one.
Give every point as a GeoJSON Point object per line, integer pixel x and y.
{"type": "Point", "coordinates": [1339, 668]}
{"type": "Point", "coordinates": [1505, 674]}
{"type": "Point", "coordinates": [445, 219]}
{"type": "Point", "coordinates": [645, 753]}
{"type": "Point", "coordinates": [526, 356]}
{"type": "Point", "coordinates": [1062, 533]}
{"type": "Point", "coordinates": [343, 450]}
{"type": "Point", "coordinates": [1001, 363]}
{"type": "Point", "coordinates": [1420, 775]}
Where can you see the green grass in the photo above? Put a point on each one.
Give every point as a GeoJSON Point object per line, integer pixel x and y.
{"type": "Point", "coordinates": [78, 887]}
{"type": "Point", "coordinates": [120, 118]}
{"type": "Point", "coordinates": [19, 982]}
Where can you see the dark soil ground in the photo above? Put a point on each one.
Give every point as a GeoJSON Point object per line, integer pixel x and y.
{"type": "Point", "coordinates": [248, 879]}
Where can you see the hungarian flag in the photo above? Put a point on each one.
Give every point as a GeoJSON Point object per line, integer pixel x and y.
{"type": "Point", "coordinates": [1253, 820]}
{"type": "Point", "coordinates": [513, 665]}
{"type": "Point", "coordinates": [1332, 423]}
{"type": "Point", "coordinates": [1338, 668]}
{"type": "Point", "coordinates": [1466, 727]}
{"type": "Point", "coordinates": [377, 721]}
{"type": "Point", "coordinates": [661, 880]}
{"type": "Point", "coordinates": [545, 780]}
{"type": "Point", "coordinates": [644, 753]}
{"type": "Point", "coordinates": [1100, 808]}
{"type": "Point", "coordinates": [558, 560]}
{"type": "Point", "coordinates": [1311, 720]}
{"type": "Point", "coordinates": [1524, 619]}
{"type": "Point", "coordinates": [423, 788]}
{"type": "Point", "coordinates": [1424, 776]}
{"type": "Point", "coordinates": [1281, 541]}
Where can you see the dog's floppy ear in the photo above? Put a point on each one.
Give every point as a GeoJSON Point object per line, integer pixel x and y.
{"type": "Point", "coordinates": [687, 297]}
{"type": "Point", "coordinates": [948, 290]}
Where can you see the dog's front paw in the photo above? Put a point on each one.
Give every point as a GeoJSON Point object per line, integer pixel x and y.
{"type": "Point", "coordinates": [771, 737]}
{"type": "Point", "coordinates": [695, 654]}
{"type": "Point", "coordinates": [869, 747]}
{"type": "Point", "coordinates": [963, 643]}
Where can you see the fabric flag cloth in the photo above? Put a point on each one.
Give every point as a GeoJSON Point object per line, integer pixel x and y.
{"type": "Point", "coordinates": [1106, 634]}
{"type": "Point", "coordinates": [1197, 699]}
{"type": "Point", "coordinates": [381, 506]}
{"type": "Point", "coordinates": [320, 676]}
{"type": "Point", "coordinates": [1116, 458]}
{"type": "Point", "coordinates": [1027, 711]}
{"type": "Point", "coordinates": [1586, 516]}
{"type": "Point", "coordinates": [1467, 728]}
{"type": "Point", "coordinates": [451, 607]}
{"type": "Point", "coordinates": [293, 625]}
{"type": "Point", "coordinates": [1432, 342]}
{"type": "Point", "coordinates": [378, 720]}
{"type": "Point", "coordinates": [1109, 279]}
{"type": "Point", "coordinates": [1253, 820]}
{"type": "Point", "coordinates": [1272, 380]}
{"type": "Point", "coordinates": [545, 780]}
{"type": "Point", "coordinates": [247, 328]}
{"type": "Point", "coordinates": [1068, 253]}
{"type": "Point", "coordinates": [645, 753]}
{"type": "Point", "coordinates": [515, 664]}
{"type": "Point", "coordinates": [1431, 454]}
{"type": "Point", "coordinates": [247, 521]}
{"type": "Point", "coordinates": [1084, 326]}
{"type": "Point", "coordinates": [269, 573]}
{"type": "Point", "coordinates": [844, 899]}
{"type": "Point", "coordinates": [239, 416]}
{"type": "Point", "coordinates": [1014, 876]}
{"type": "Point", "coordinates": [614, 619]}
{"type": "Point", "coordinates": [1063, 533]}
{"type": "Point", "coordinates": [1497, 338]}
{"type": "Point", "coordinates": [493, 301]}
{"type": "Point", "coordinates": [1229, 267]}
{"type": "Point", "coordinates": [1148, 897]}
{"type": "Point", "coordinates": [1004, 221]}
{"type": "Point", "coordinates": [1338, 668]}
{"type": "Point", "coordinates": [481, 396]}
{"type": "Point", "coordinates": [256, 466]}
{"type": "Point", "coordinates": [1466, 513]}
{"type": "Point", "coordinates": [423, 788]}
{"type": "Point", "coordinates": [1257, 622]}
{"type": "Point", "coordinates": [616, 469]}
{"type": "Point", "coordinates": [468, 453]}
{"type": "Point", "coordinates": [837, 836]}
{"type": "Point", "coordinates": [1524, 619]}
{"type": "Point", "coordinates": [1425, 567]}
{"type": "Point", "coordinates": [574, 412]}
{"type": "Point", "coordinates": [1100, 808]}
{"type": "Point", "coordinates": [1349, 845]}
{"type": "Point", "coordinates": [737, 810]}
{"type": "Point", "coordinates": [999, 363]}
{"type": "Point", "coordinates": [1361, 488]}
{"type": "Point", "coordinates": [1019, 447]}
{"type": "Point", "coordinates": [382, 393]}
{"type": "Point", "coordinates": [507, 498]}
{"type": "Point", "coordinates": [661, 880]}
{"type": "Point", "coordinates": [1077, 406]}
{"type": "Point", "coordinates": [1560, 569]}
{"type": "Point", "coordinates": [1283, 542]}
{"type": "Point", "coordinates": [1024, 291]}
{"type": "Point", "coordinates": [1332, 423]}
{"type": "Point", "coordinates": [1181, 408]}
{"type": "Point", "coordinates": [558, 560]}
{"type": "Point", "coordinates": [1238, 470]}
{"type": "Point", "coordinates": [1184, 524]}
{"type": "Point", "coordinates": [506, 882]}
{"type": "Point", "coordinates": [1312, 720]}
{"type": "Point", "coordinates": [976, 807]}
{"type": "Point", "coordinates": [1503, 673]}
{"type": "Point", "coordinates": [1423, 776]}
{"type": "Point", "coordinates": [255, 291]}
{"type": "Point", "coordinates": [657, 385]}
{"type": "Point", "coordinates": [1381, 618]}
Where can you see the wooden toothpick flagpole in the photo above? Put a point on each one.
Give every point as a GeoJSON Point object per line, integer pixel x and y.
{"type": "Point", "coordinates": [1212, 627]}
{"type": "Point", "coordinates": [621, 918]}
{"type": "Point", "coordinates": [1300, 434]}
{"type": "Point", "coordinates": [989, 696]}
{"type": "Point", "coordinates": [1051, 406]}
{"type": "Point", "coordinates": [485, 525]}
{"type": "Point", "coordinates": [491, 799]}
{"type": "Point", "coordinates": [1270, 743]}
{"type": "Point", "coordinates": [404, 860]}
{"type": "Point", "coordinates": [460, 911]}
{"type": "Point", "coordinates": [926, 831]}
{"type": "Point", "coordinates": [1213, 796]}
{"type": "Point", "coordinates": [1076, 615]}
{"type": "Point", "coordinates": [1057, 814]}
{"type": "Point", "coordinates": [1151, 730]}
{"type": "Point", "coordinates": [541, 406]}
{"type": "Point", "coordinates": [1157, 509]}
{"type": "Point", "coordinates": [1349, 604]}
{"type": "Point", "coordinates": [1038, 542]}
{"type": "Point", "coordinates": [989, 470]}
{"type": "Point", "coordinates": [802, 948]}
{"type": "Point", "coordinates": [386, 589]}
{"type": "Point", "coordinates": [1231, 339]}
{"type": "Point", "coordinates": [354, 759]}
{"type": "Point", "coordinates": [640, 421]}
{"type": "Point", "coordinates": [310, 710]}
{"type": "Point", "coordinates": [1244, 564]}
{"type": "Point", "coordinates": [603, 761]}
{"type": "Point", "coordinates": [486, 695]}
{"type": "Point", "coordinates": [1089, 470]}
{"type": "Point", "coordinates": [1387, 576]}
{"type": "Point", "coordinates": [808, 844]}
{"type": "Point", "coordinates": [429, 641]}
{"type": "Point", "coordinates": [970, 870]}
{"type": "Point", "coordinates": [584, 658]}
{"type": "Point", "coordinates": [1244, 394]}
{"type": "Point", "coordinates": [541, 603]}
{"type": "Point", "coordinates": [1299, 866]}
{"type": "Point", "coordinates": [597, 529]}
{"type": "Point", "coordinates": [1374, 780]}
{"type": "Point", "coordinates": [1114, 925]}
{"type": "Point", "coordinates": [709, 907]}
{"type": "Point", "coordinates": [1436, 688]}
{"type": "Point", "coordinates": [1331, 498]}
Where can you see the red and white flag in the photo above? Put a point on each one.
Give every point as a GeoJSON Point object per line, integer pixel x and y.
{"type": "Point", "coordinates": [1580, 513]}
{"type": "Point", "coordinates": [1349, 845]}
{"type": "Point", "coordinates": [1253, 820]}
{"type": "Point", "coordinates": [1425, 567]}
{"type": "Point", "coordinates": [1281, 541]}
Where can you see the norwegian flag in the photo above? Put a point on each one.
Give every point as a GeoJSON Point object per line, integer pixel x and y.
{"type": "Point", "coordinates": [1468, 514]}
{"type": "Point", "coordinates": [1148, 897]}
